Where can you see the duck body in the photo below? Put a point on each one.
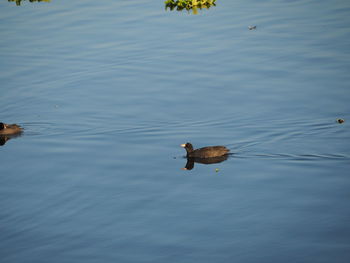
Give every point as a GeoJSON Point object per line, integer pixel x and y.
{"type": "Point", "coordinates": [205, 152]}
{"type": "Point", "coordinates": [9, 129]}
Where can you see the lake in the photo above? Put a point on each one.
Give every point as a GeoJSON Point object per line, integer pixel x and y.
{"type": "Point", "coordinates": [106, 92]}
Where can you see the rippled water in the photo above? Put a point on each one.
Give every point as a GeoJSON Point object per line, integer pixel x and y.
{"type": "Point", "coordinates": [106, 93]}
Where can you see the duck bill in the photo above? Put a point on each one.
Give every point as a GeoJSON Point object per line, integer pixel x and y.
{"type": "Point", "coordinates": [183, 145]}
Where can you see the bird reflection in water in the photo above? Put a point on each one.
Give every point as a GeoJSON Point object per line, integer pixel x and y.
{"type": "Point", "coordinates": [212, 160]}
{"type": "Point", "coordinates": [5, 138]}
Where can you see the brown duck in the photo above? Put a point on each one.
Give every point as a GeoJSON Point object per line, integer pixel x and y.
{"type": "Point", "coordinates": [9, 129]}
{"type": "Point", "coordinates": [205, 152]}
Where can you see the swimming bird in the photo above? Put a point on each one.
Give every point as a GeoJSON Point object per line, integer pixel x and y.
{"type": "Point", "coordinates": [9, 129]}
{"type": "Point", "coordinates": [205, 152]}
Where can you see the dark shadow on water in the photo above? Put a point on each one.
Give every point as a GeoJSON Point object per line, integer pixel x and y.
{"type": "Point", "coordinates": [5, 138]}
{"type": "Point", "coordinates": [191, 161]}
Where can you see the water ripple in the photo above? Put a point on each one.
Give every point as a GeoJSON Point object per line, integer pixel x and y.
{"type": "Point", "coordinates": [292, 157]}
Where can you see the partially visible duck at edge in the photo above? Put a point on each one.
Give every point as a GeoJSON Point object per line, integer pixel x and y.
{"type": "Point", "coordinates": [205, 152]}
{"type": "Point", "coordinates": [9, 129]}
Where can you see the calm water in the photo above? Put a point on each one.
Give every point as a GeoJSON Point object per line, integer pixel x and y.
{"type": "Point", "coordinates": [107, 91]}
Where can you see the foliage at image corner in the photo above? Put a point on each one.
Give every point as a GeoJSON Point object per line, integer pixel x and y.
{"type": "Point", "coordinates": [188, 4]}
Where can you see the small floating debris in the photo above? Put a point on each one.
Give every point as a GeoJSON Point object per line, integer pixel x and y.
{"type": "Point", "coordinates": [251, 27]}
{"type": "Point", "coordinates": [216, 170]}
{"type": "Point", "coordinates": [340, 120]}
{"type": "Point", "coordinates": [188, 4]}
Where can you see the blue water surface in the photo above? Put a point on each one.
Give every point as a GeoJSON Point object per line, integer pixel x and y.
{"type": "Point", "coordinates": [106, 92]}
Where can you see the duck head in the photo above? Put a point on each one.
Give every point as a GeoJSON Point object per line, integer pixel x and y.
{"type": "Point", "coordinates": [188, 147]}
